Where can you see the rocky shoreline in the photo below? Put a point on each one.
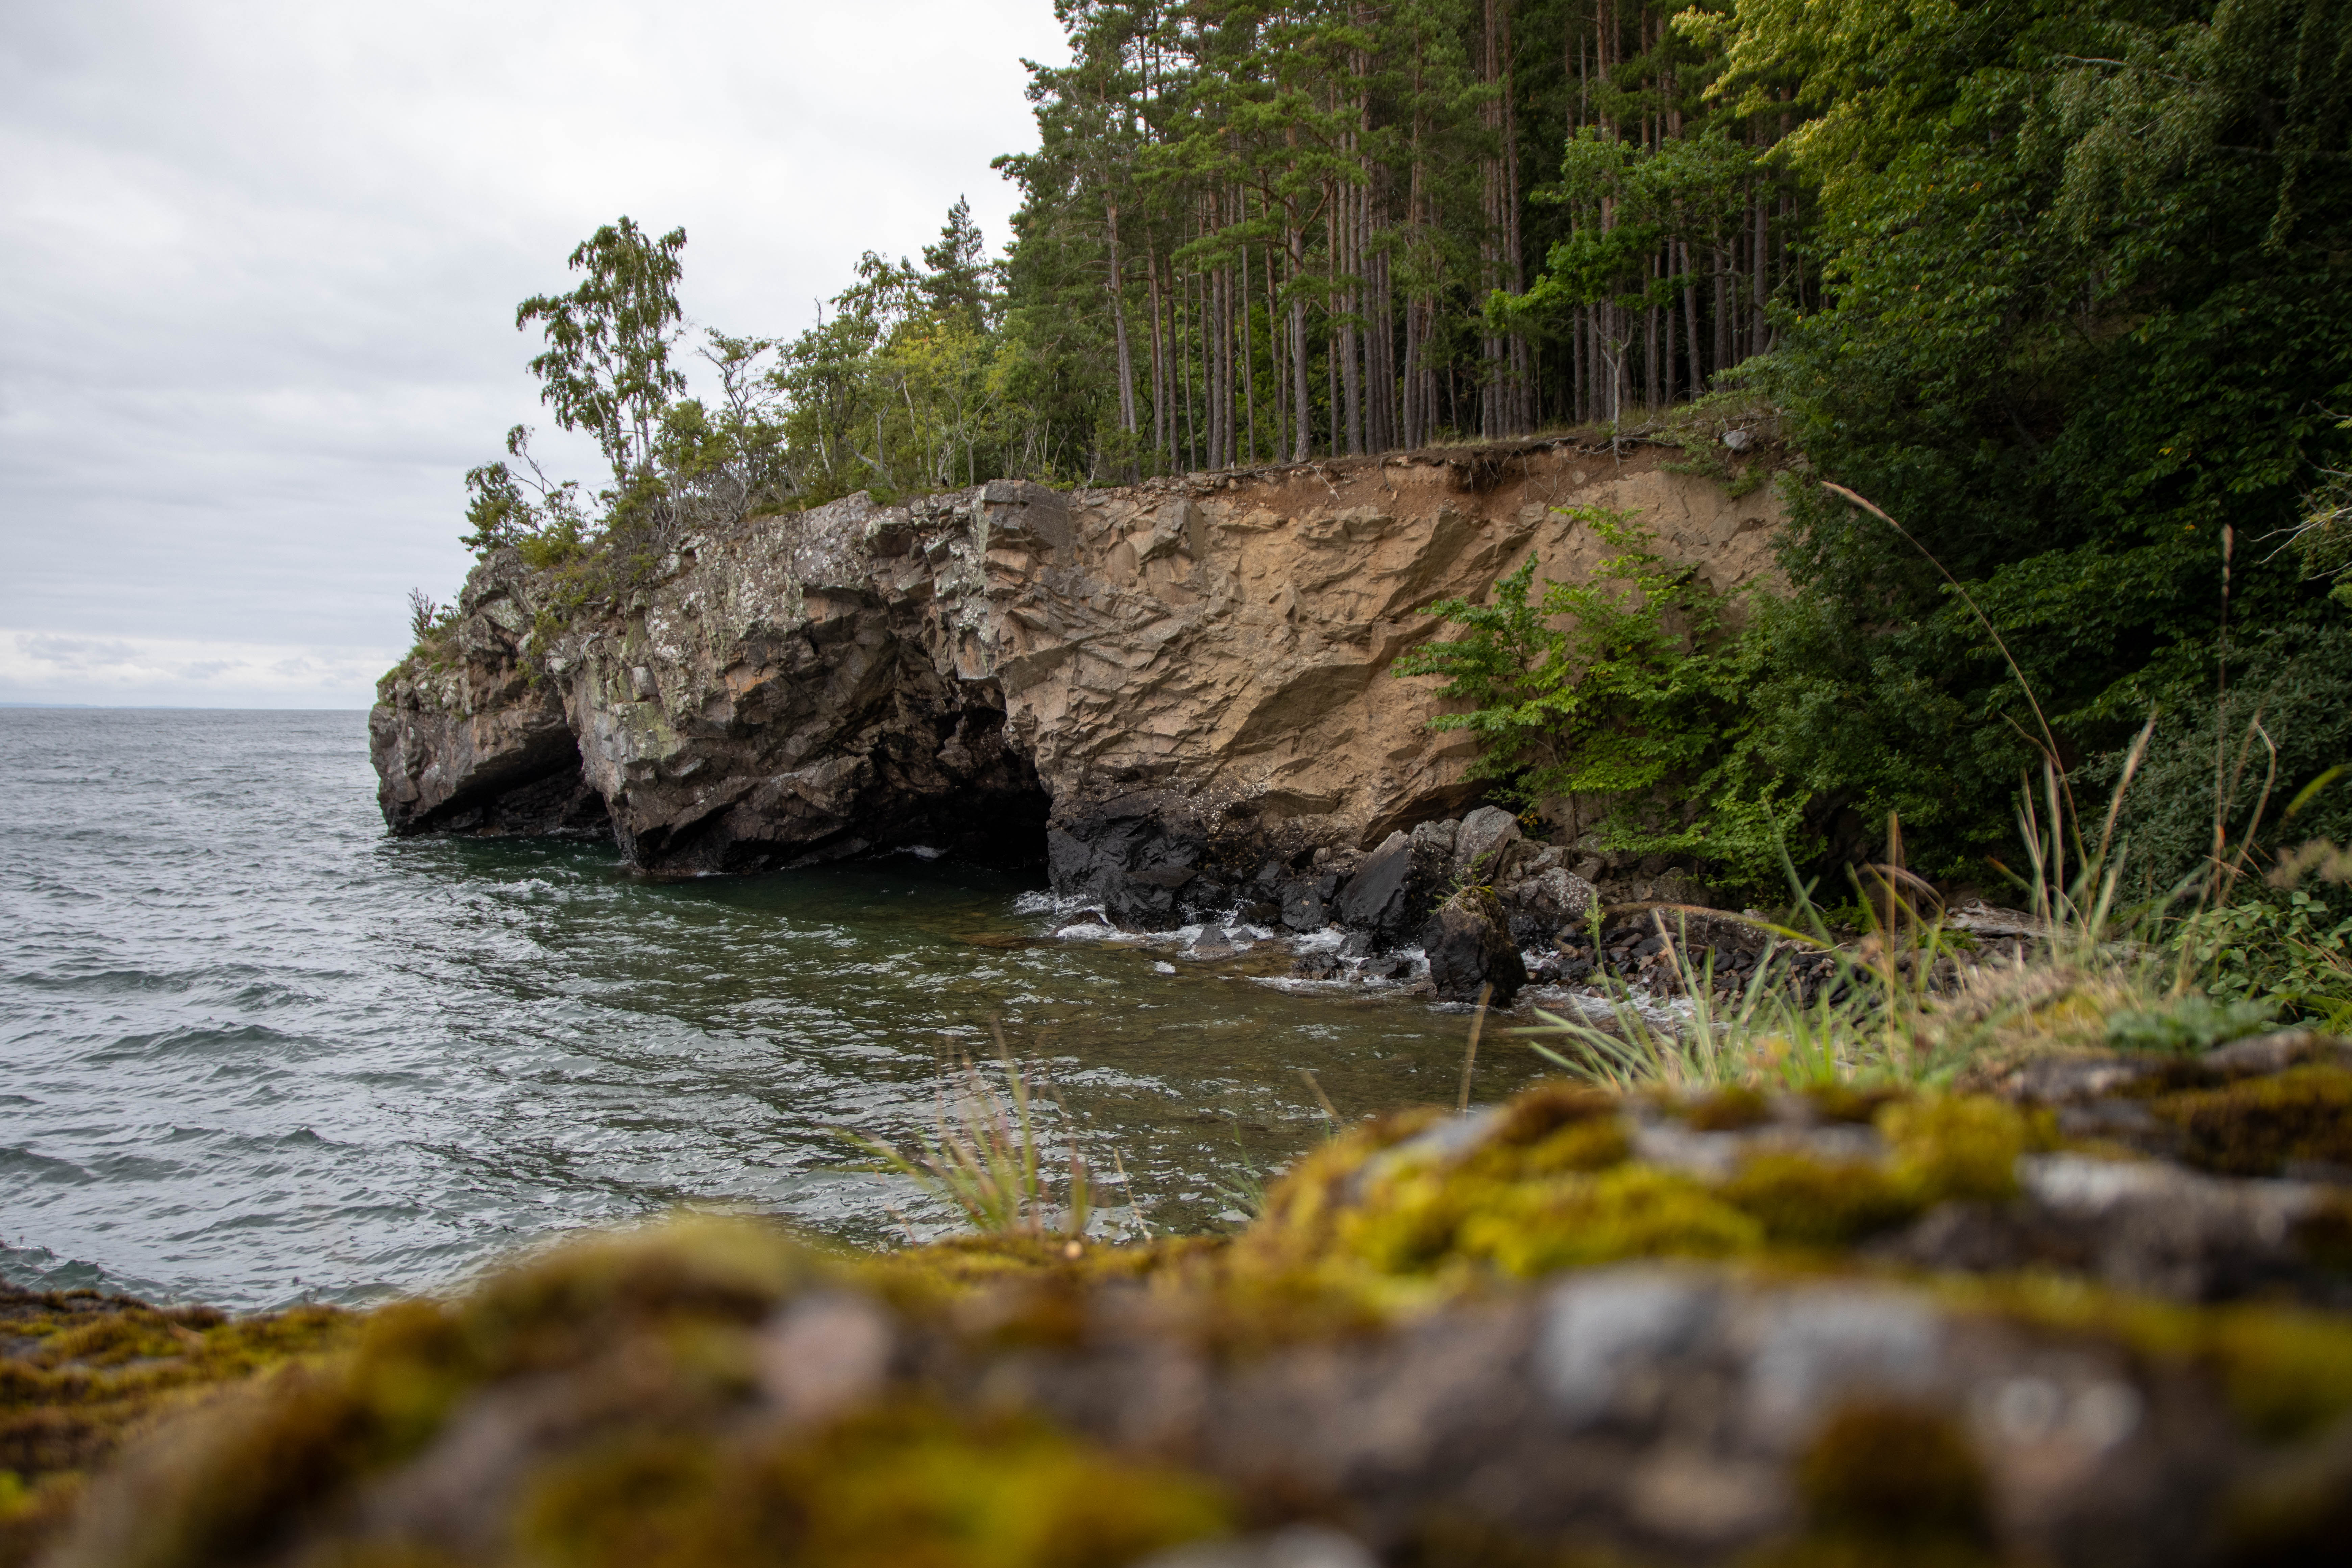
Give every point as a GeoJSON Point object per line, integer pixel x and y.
{"type": "Point", "coordinates": [1175, 697]}
{"type": "Point", "coordinates": [2095, 1316]}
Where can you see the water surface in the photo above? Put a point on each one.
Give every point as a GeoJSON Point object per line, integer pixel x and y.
{"type": "Point", "coordinates": [252, 1049]}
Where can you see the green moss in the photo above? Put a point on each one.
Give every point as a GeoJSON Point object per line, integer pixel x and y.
{"type": "Point", "coordinates": [1576, 1222]}
{"type": "Point", "coordinates": [1728, 1110]}
{"type": "Point", "coordinates": [1303, 1210]}
{"type": "Point", "coordinates": [632, 1314]}
{"type": "Point", "coordinates": [1844, 1103]}
{"type": "Point", "coordinates": [84, 1373]}
{"type": "Point", "coordinates": [2254, 1127]}
{"type": "Point", "coordinates": [903, 1484]}
{"type": "Point", "coordinates": [1955, 1146]}
{"type": "Point", "coordinates": [1535, 1115]}
{"type": "Point", "coordinates": [1803, 1202]}
{"type": "Point", "coordinates": [1897, 1479]}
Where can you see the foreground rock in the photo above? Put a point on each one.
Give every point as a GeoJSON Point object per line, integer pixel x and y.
{"type": "Point", "coordinates": [1576, 1327]}
{"type": "Point", "coordinates": [1176, 694]}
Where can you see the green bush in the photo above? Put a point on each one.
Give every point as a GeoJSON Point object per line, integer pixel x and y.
{"type": "Point", "coordinates": [1627, 686]}
{"type": "Point", "coordinates": [2287, 949]}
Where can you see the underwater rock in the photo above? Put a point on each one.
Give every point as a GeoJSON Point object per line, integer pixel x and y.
{"type": "Point", "coordinates": [1213, 943]}
{"type": "Point", "coordinates": [1319, 964]}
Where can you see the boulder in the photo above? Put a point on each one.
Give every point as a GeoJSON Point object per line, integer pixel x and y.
{"type": "Point", "coordinates": [1302, 906]}
{"type": "Point", "coordinates": [1483, 846]}
{"type": "Point", "coordinates": [1374, 899]}
{"type": "Point", "coordinates": [1468, 941]}
{"type": "Point", "coordinates": [1540, 906]}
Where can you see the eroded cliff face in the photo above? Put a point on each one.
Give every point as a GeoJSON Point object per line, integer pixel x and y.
{"type": "Point", "coordinates": [1164, 689]}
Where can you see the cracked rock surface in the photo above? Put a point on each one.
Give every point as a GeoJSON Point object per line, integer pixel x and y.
{"type": "Point", "coordinates": [1159, 691]}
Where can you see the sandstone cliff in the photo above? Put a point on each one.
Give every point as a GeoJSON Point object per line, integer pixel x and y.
{"type": "Point", "coordinates": [1164, 689]}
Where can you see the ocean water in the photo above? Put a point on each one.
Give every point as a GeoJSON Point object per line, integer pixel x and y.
{"type": "Point", "coordinates": [254, 1050]}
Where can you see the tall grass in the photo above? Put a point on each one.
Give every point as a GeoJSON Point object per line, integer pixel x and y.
{"type": "Point", "coordinates": [984, 1156]}
{"type": "Point", "coordinates": [1912, 999]}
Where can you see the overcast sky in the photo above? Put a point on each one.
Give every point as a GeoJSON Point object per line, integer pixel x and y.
{"type": "Point", "coordinates": [259, 265]}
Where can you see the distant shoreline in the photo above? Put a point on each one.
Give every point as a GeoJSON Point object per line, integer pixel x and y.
{"type": "Point", "coordinates": [172, 708]}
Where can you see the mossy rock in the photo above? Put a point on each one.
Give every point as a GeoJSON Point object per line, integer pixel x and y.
{"type": "Point", "coordinates": [2257, 1126]}
{"type": "Point", "coordinates": [81, 1373]}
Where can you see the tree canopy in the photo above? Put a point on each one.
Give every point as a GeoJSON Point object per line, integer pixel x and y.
{"type": "Point", "coordinates": [2056, 285]}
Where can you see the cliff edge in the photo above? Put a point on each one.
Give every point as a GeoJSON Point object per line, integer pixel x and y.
{"type": "Point", "coordinates": [1162, 690]}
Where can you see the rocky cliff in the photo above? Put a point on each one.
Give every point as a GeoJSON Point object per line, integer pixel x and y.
{"type": "Point", "coordinates": [1177, 694]}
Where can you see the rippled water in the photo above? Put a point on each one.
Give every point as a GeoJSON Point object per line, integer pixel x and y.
{"type": "Point", "coordinates": [251, 1049]}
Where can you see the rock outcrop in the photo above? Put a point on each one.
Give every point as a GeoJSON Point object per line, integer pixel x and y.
{"type": "Point", "coordinates": [1177, 695]}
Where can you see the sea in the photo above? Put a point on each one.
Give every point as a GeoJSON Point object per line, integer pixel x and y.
{"type": "Point", "coordinates": [254, 1050]}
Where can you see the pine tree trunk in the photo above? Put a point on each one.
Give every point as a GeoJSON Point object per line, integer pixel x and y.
{"type": "Point", "coordinates": [1118, 321]}
{"type": "Point", "coordinates": [1763, 252]}
{"type": "Point", "coordinates": [1278, 445]}
{"type": "Point", "coordinates": [1723, 315]}
{"type": "Point", "coordinates": [1184, 347]}
{"type": "Point", "coordinates": [1249, 360]}
{"type": "Point", "coordinates": [1301, 404]}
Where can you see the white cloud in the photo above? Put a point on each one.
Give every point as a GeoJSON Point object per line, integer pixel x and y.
{"type": "Point", "coordinates": [186, 672]}
{"type": "Point", "coordinates": [258, 263]}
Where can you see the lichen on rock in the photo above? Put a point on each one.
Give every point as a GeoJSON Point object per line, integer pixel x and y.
{"type": "Point", "coordinates": [1578, 1326]}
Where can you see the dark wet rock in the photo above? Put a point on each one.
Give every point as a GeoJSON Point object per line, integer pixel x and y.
{"type": "Point", "coordinates": [1212, 943]}
{"type": "Point", "coordinates": [1356, 944]}
{"type": "Point", "coordinates": [1546, 902]}
{"type": "Point", "coordinates": [1377, 897]}
{"type": "Point", "coordinates": [1127, 855]}
{"type": "Point", "coordinates": [1318, 964]}
{"type": "Point", "coordinates": [1468, 941]}
{"type": "Point", "coordinates": [1431, 846]}
{"type": "Point", "coordinates": [1302, 907]}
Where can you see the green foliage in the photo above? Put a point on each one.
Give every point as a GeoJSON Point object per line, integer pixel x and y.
{"type": "Point", "coordinates": [2286, 951]}
{"type": "Point", "coordinates": [1616, 687]}
{"type": "Point", "coordinates": [2079, 260]}
{"type": "Point", "coordinates": [2290, 687]}
{"type": "Point", "coordinates": [2187, 1025]}
{"type": "Point", "coordinates": [606, 367]}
